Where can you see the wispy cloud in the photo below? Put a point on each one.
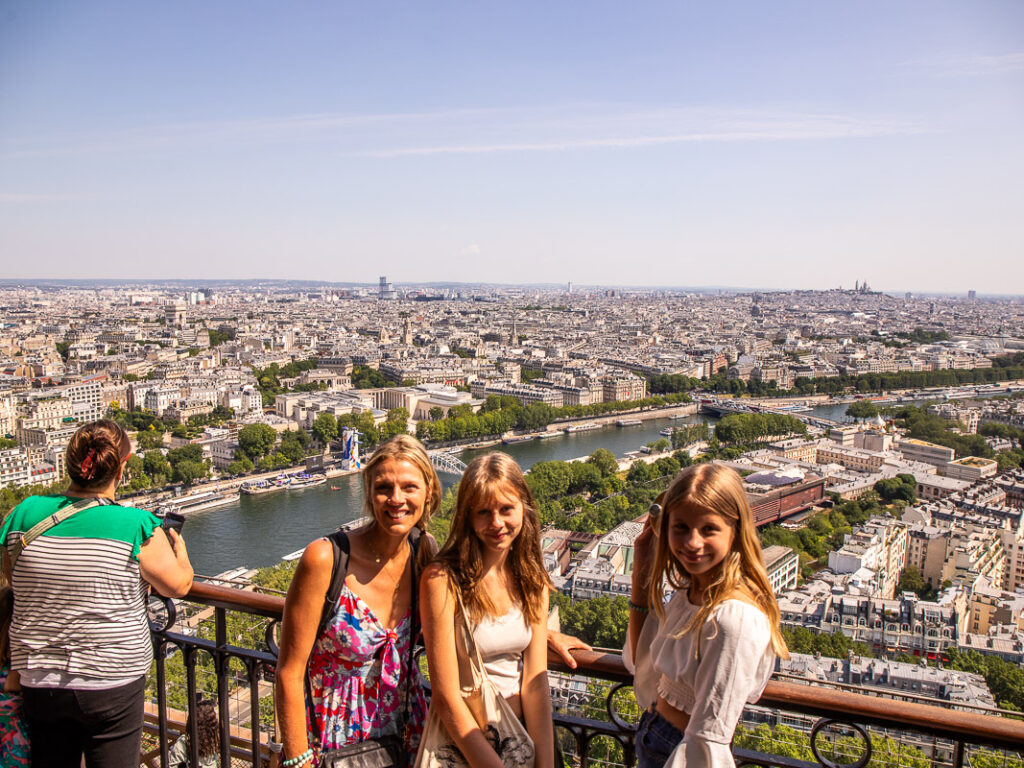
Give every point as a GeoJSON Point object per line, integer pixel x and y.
{"type": "Point", "coordinates": [480, 131]}
{"type": "Point", "coordinates": [969, 66]}
{"type": "Point", "coordinates": [472, 249]}
{"type": "Point", "coordinates": [30, 197]}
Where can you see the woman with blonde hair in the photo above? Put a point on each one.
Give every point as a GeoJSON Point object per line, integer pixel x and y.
{"type": "Point", "coordinates": [712, 647]}
{"type": "Point", "coordinates": [349, 679]}
{"type": "Point", "coordinates": [491, 567]}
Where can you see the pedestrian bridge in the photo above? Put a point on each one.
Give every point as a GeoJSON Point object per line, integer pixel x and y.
{"type": "Point", "coordinates": [447, 462]}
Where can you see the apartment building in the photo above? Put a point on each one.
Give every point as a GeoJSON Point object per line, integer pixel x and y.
{"type": "Point", "coordinates": [783, 566]}
{"type": "Point", "coordinates": [857, 459]}
{"type": "Point", "coordinates": [970, 468]}
{"type": "Point", "coordinates": [879, 546]}
{"type": "Point", "coordinates": [892, 677]}
{"type": "Point", "coordinates": [929, 453]}
{"type": "Point", "coordinates": [902, 624]}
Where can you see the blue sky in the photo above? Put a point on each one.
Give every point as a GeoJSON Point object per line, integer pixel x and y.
{"type": "Point", "coordinates": [752, 144]}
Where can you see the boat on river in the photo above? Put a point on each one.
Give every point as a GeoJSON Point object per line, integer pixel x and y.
{"type": "Point", "coordinates": [513, 439]}
{"type": "Point", "coordinates": [196, 502]}
{"type": "Point", "coordinates": [628, 423]}
{"type": "Point", "coordinates": [298, 482]}
{"type": "Point", "coordinates": [666, 432]}
{"type": "Point", "coordinates": [574, 428]}
{"type": "Point", "coordinates": [546, 435]}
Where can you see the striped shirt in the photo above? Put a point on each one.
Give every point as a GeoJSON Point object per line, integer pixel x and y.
{"type": "Point", "coordinates": [79, 598]}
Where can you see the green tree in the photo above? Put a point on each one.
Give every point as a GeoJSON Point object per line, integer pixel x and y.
{"type": "Point", "coordinates": [155, 464]}
{"type": "Point", "coordinates": [240, 466]}
{"type": "Point", "coordinates": [148, 439]}
{"type": "Point", "coordinates": [256, 440]}
{"type": "Point", "coordinates": [911, 581]}
{"type": "Point", "coordinates": [600, 621]}
{"type": "Point", "coordinates": [188, 471]}
{"type": "Point", "coordinates": [605, 462]}
{"type": "Point", "coordinates": [660, 445]}
{"type": "Point", "coordinates": [397, 423]}
{"type": "Point", "coordinates": [903, 487]}
{"type": "Point", "coordinates": [325, 428]}
{"type": "Point", "coordinates": [862, 409]}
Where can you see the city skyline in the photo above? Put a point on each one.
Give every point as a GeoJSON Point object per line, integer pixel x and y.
{"type": "Point", "coordinates": [737, 146]}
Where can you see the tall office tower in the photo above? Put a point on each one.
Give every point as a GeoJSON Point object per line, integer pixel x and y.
{"type": "Point", "coordinates": [385, 291]}
{"type": "Point", "coordinates": [972, 295]}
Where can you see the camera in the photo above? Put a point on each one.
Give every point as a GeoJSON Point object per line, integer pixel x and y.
{"type": "Point", "coordinates": [173, 520]}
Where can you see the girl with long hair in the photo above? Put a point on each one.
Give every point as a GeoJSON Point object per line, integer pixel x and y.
{"type": "Point", "coordinates": [700, 657]}
{"type": "Point", "coordinates": [491, 564]}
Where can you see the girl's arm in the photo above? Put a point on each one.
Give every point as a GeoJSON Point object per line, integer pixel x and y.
{"type": "Point", "coordinates": [302, 610]}
{"type": "Point", "coordinates": [535, 693]}
{"type": "Point", "coordinates": [643, 555]}
{"type": "Point", "coordinates": [437, 606]}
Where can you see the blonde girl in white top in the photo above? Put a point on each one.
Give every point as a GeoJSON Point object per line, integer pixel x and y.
{"type": "Point", "coordinates": [492, 560]}
{"type": "Point", "coordinates": [698, 659]}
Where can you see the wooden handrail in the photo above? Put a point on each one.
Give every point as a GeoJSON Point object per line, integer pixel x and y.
{"type": "Point", "coordinates": [810, 699]}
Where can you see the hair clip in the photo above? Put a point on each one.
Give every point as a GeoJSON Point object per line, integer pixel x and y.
{"type": "Point", "coordinates": [87, 462]}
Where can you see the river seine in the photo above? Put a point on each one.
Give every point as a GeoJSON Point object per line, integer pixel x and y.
{"type": "Point", "coordinates": [257, 531]}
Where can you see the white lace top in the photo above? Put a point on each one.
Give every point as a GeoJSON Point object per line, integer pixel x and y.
{"type": "Point", "coordinates": [736, 659]}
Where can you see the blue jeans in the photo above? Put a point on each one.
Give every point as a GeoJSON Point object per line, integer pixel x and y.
{"type": "Point", "coordinates": [655, 739]}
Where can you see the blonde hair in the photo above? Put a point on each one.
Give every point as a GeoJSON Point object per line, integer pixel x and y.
{"type": "Point", "coordinates": [404, 448]}
{"type": "Point", "coordinates": [720, 490]}
{"type": "Point", "coordinates": [462, 553]}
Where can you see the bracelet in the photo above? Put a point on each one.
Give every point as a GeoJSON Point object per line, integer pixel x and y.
{"type": "Point", "coordinates": [294, 762]}
{"type": "Point", "coordinates": [641, 608]}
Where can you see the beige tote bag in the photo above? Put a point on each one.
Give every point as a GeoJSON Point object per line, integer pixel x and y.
{"type": "Point", "coordinates": [506, 734]}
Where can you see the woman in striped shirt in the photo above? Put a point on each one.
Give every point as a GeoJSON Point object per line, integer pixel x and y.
{"type": "Point", "coordinates": [80, 638]}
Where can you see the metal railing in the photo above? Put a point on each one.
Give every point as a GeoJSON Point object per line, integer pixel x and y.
{"type": "Point", "coordinates": [831, 727]}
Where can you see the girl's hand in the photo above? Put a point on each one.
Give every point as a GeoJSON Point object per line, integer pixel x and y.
{"type": "Point", "coordinates": [563, 646]}
{"type": "Point", "coordinates": [643, 558]}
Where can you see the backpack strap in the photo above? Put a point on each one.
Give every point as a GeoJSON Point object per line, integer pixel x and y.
{"type": "Point", "coordinates": [46, 524]}
{"type": "Point", "coordinates": [339, 569]}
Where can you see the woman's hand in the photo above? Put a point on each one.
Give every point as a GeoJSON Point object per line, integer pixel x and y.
{"type": "Point", "coordinates": [163, 562]}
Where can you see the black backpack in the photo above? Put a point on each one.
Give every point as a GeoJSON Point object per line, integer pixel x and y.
{"type": "Point", "coordinates": [340, 546]}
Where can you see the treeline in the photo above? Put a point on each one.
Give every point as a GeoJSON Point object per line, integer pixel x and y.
{"type": "Point", "coordinates": [834, 646]}
{"type": "Point", "coordinates": [591, 496]}
{"type": "Point", "coordinates": [755, 427]}
{"type": "Point", "coordinates": [1005, 368]}
{"type": "Point", "coordinates": [939, 430]}
{"type": "Point", "coordinates": [501, 413]}
{"type": "Point", "coordinates": [268, 380]}
{"type": "Point", "coordinates": [788, 742]}
{"type": "Point", "coordinates": [1005, 680]}
{"type": "Point", "coordinates": [600, 621]}
{"type": "Point", "coordinates": [824, 530]}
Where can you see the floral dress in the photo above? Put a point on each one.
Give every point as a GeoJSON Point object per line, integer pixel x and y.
{"type": "Point", "coordinates": [357, 679]}
{"type": "Point", "coordinates": [14, 749]}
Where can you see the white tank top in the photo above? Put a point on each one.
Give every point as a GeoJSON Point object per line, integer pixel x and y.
{"type": "Point", "coordinates": [502, 640]}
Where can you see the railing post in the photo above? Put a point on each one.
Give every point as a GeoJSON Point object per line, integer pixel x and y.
{"type": "Point", "coordinates": [221, 663]}
{"type": "Point", "coordinates": [160, 651]}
